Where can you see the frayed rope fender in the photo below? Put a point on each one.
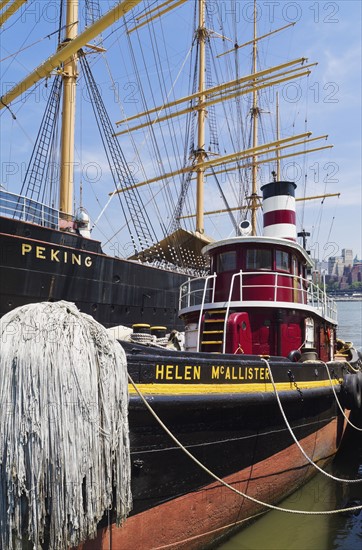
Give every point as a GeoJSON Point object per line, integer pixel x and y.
{"type": "Point", "coordinates": [64, 440]}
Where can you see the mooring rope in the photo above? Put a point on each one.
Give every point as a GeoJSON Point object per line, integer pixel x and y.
{"type": "Point", "coordinates": [338, 403]}
{"type": "Point", "coordinates": [334, 391]}
{"type": "Point", "coordinates": [224, 483]}
{"type": "Point", "coordinates": [142, 338]}
{"type": "Point", "coordinates": [296, 440]}
{"type": "Point", "coordinates": [352, 367]}
{"type": "Point", "coordinates": [64, 440]}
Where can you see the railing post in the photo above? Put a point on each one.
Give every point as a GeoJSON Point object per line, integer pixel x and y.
{"type": "Point", "coordinates": [202, 309]}
{"type": "Point", "coordinates": [228, 307]}
{"type": "Point", "coordinates": [275, 286]}
{"type": "Point", "coordinates": [213, 288]}
{"type": "Point", "coordinates": [324, 291]}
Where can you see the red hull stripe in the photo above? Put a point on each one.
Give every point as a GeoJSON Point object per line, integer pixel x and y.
{"type": "Point", "coordinates": [279, 216]}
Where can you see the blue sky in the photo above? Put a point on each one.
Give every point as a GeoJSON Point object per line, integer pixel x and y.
{"type": "Point", "coordinates": [328, 102]}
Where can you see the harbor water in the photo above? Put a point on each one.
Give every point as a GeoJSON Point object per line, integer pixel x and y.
{"type": "Point", "coordinates": [282, 531]}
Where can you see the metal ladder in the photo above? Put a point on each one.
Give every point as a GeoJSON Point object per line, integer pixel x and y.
{"type": "Point", "coordinates": [212, 337]}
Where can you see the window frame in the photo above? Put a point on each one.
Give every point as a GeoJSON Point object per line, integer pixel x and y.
{"type": "Point", "coordinates": [257, 264]}
{"type": "Point", "coordinates": [231, 263]}
{"type": "Point", "coordinates": [279, 267]}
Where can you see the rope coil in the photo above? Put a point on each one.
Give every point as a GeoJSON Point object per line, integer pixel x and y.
{"type": "Point", "coordinates": [64, 439]}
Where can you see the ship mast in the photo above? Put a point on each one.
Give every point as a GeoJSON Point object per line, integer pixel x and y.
{"type": "Point", "coordinates": [69, 75]}
{"type": "Point", "coordinates": [278, 137]}
{"type": "Point", "coordinates": [254, 118]}
{"type": "Point", "coordinates": [200, 152]}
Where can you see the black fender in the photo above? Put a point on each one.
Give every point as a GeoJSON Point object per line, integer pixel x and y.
{"type": "Point", "coordinates": [352, 391]}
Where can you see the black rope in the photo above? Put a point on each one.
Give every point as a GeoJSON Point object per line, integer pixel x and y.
{"type": "Point", "coordinates": [121, 173]}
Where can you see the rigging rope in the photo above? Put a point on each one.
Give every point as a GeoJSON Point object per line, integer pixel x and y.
{"type": "Point", "coordinates": [64, 441]}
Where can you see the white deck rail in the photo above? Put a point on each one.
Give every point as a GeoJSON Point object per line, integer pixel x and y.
{"type": "Point", "coordinates": [201, 291]}
{"type": "Point", "coordinates": [22, 208]}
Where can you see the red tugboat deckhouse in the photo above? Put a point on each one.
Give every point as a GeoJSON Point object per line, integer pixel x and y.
{"type": "Point", "coordinates": [259, 298]}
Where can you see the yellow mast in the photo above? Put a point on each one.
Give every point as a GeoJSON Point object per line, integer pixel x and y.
{"type": "Point", "coordinates": [43, 70]}
{"type": "Point", "coordinates": [223, 92]}
{"type": "Point", "coordinates": [69, 75]}
{"type": "Point", "coordinates": [200, 153]}
{"type": "Point", "coordinates": [236, 208]}
{"type": "Point", "coordinates": [10, 10]}
{"type": "Point", "coordinates": [278, 136]}
{"type": "Point", "coordinates": [237, 156]}
{"type": "Point", "coordinates": [255, 115]}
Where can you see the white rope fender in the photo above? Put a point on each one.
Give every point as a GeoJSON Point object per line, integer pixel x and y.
{"type": "Point", "coordinates": [64, 441]}
{"type": "Point", "coordinates": [224, 483]}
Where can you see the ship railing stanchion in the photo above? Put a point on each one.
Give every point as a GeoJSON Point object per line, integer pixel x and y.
{"type": "Point", "coordinates": [202, 307]}
{"type": "Point", "coordinates": [324, 293]}
{"type": "Point", "coordinates": [302, 291]}
{"type": "Point", "coordinates": [213, 288]}
{"type": "Point", "coordinates": [228, 306]}
{"type": "Point", "coordinates": [275, 286]}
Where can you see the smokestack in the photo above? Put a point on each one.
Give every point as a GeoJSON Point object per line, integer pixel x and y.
{"type": "Point", "coordinates": [279, 210]}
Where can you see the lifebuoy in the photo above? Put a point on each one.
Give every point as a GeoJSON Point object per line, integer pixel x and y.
{"type": "Point", "coordinates": [352, 386]}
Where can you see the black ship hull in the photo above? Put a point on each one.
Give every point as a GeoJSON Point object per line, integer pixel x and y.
{"type": "Point", "coordinates": [41, 264]}
{"type": "Point", "coordinates": [225, 413]}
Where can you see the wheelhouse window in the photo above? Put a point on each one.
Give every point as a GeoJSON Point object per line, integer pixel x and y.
{"type": "Point", "coordinates": [281, 261]}
{"type": "Point", "coordinates": [226, 261]}
{"type": "Point", "coordinates": [258, 259]}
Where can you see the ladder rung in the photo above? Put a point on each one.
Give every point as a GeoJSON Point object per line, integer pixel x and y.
{"type": "Point", "coordinates": [211, 342]}
{"type": "Point", "coordinates": [214, 320]}
{"type": "Point", "coordinates": [213, 332]}
{"type": "Point", "coordinates": [211, 311]}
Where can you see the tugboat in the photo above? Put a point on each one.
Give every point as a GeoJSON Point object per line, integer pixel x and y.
{"type": "Point", "coordinates": [257, 402]}
{"type": "Point", "coordinates": [259, 397]}
{"type": "Point", "coordinates": [255, 405]}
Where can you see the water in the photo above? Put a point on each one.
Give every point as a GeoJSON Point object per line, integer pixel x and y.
{"type": "Point", "coordinates": [281, 531]}
{"type": "Point", "coordinates": [350, 322]}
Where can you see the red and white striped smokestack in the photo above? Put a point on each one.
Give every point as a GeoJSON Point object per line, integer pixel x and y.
{"type": "Point", "coordinates": [279, 210]}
